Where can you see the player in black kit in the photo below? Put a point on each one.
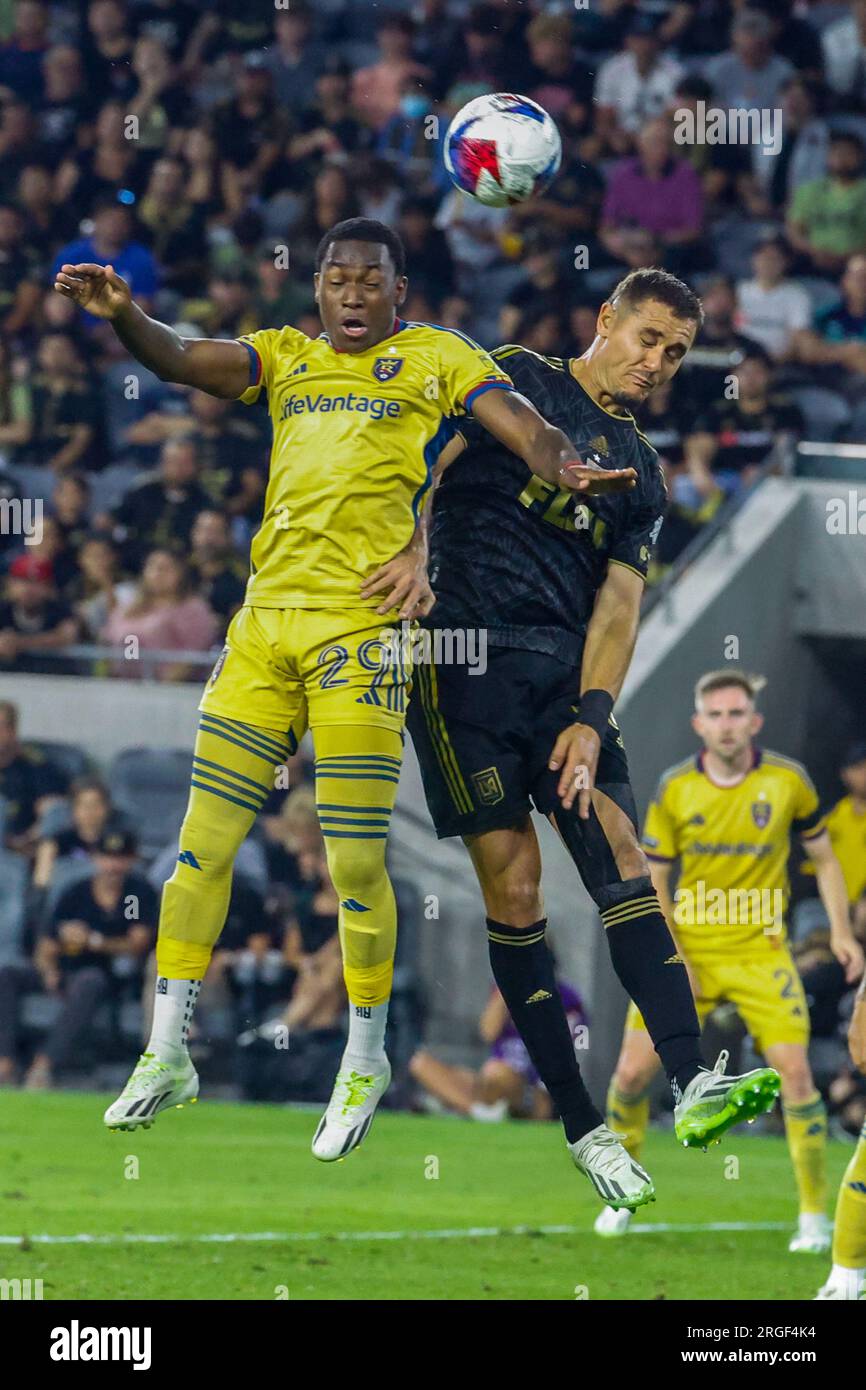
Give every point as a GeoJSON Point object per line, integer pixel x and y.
{"type": "Point", "coordinates": [554, 580]}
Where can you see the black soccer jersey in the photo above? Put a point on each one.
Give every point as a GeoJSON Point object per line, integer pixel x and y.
{"type": "Point", "coordinates": [524, 559]}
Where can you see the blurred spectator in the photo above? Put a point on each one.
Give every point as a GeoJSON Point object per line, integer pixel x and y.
{"type": "Point", "coordinates": [90, 811]}
{"type": "Point", "coordinates": [173, 226]}
{"type": "Point", "coordinates": [99, 925]}
{"type": "Point", "coordinates": [64, 427]}
{"type": "Point", "coordinates": [737, 435]}
{"type": "Point", "coordinates": [54, 548]}
{"type": "Point", "coordinates": [219, 572]}
{"type": "Point", "coordinates": [19, 283]}
{"type": "Point", "coordinates": [161, 510]}
{"type": "Point", "coordinates": [90, 177]}
{"type": "Point", "coordinates": [278, 297]}
{"type": "Point", "coordinates": [15, 412]}
{"type": "Point", "coordinates": [99, 588]}
{"type": "Point", "coordinates": [718, 348]}
{"type": "Point", "coordinates": [507, 1084]}
{"type": "Point", "coordinates": [159, 104]}
{"type": "Point", "coordinates": [108, 47]}
{"type": "Point", "coordinates": [111, 243]}
{"type": "Point", "coordinates": [29, 782]}
{"type": "Point", "coordinates": [249, 131]}
{"type": "Point", "coordinates": [556, 79]}
{"type": "Point", "coordinates": [802, 156]}
{"type": "Point", "coordinates": [174, 23]}
{"type": "Point", "coordinates": [328, 125]}
{"type": "Point", "coordinates": [844, 45]}
{"type": "Point", "coordinates": [793, 36]}
{"type": "Point", "coordinates": [827, 218]}
{"type": "Point", "coordinates": [162, 615]}
{"type": "Point", "coordinates": [722, 167]}
{"type": "Point", "coordinates": [544, 289]}
{"type": "Point", "coordinates": [474, 235]}
{"type": "Point", "coordinates": [750, 75]}
{"type": "Point", "coordinates": [667, 419]}
{"type": "Point", "coordinates": [70, 509]}
{"type": "Point", "coordinates": [66, 107]}
{"type": "Point", "coordinates": [376, 90]}
{"type": "Point", "coordinates": [426, 251]}
{"type": "Point", "coordinates": [34, 196]}
{"type": "Point", "coordinates": [21, 57]}
{"type": "Point", "coordinates": [17, 138]}
{"type": "Point", "coordinates": [837, 337]}
{"type": "Point", "coordinates": [32, 618]}
{"type": "Point", "coordinates": [772, 309]}
{"type": "Point", "coordinates": [331, 199]}
{"type": "Point", "coordinates": [297, 58]}
{"type": "Point", "coordinates": [658, 192]}
{"type": "Point", "coordinates": [634, 86]}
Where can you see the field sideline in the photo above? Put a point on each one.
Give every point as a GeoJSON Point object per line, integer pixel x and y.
{"type": "Point", "coordinates": [229, 1203]}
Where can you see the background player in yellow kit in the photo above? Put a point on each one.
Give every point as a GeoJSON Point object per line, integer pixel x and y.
{"type": "Point", "coordinates": [727, 815]}
{"type": "Point", "coordinates": [848, 1275]}
{"type": "Point", "coordinates": [360, 416]}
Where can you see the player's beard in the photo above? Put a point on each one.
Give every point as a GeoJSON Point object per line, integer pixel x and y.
{"type": "Point", "coordinates": [629, 400]}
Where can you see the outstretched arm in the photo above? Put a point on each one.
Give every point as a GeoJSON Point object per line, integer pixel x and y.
{"type": "Point", "coordinates": [545, 449]}
{"type": "Point", "coordinates": [222, 368]}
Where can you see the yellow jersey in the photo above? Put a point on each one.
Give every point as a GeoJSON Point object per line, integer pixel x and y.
{"type": "Point", "coordinates": [732, 844]}
{"type": "Point", "coordinates": [356, 438]}
{"type": "Point", "coordinates": [847, 829]}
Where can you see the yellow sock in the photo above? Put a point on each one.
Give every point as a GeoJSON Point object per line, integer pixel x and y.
{"type": "Point", "coordinates": [849, 1231]}
{"type": "Point", "coordinates": [806, 1130]}
{"type": "Point", "coordinates": [357, 770]}
{"type": "Point", "coordinates": [628, 1119]}
{"type": "Point", "coordinates": [232, 776]}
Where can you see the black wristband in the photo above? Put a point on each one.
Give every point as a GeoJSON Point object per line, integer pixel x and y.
{"type": "Point", "coordinates": [595, 710]}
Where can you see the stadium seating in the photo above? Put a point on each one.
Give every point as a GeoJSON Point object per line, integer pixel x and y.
{"type": "Point", "coordinates": [151, 787]}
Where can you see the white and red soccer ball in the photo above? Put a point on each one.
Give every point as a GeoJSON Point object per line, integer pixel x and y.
{"type": "Point", "coordinates": [502, 149]}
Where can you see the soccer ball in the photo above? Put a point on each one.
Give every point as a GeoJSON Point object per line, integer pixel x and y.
{"type": "Point", "coordinates": [502, 149]}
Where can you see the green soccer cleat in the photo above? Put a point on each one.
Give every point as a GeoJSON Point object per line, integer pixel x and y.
{"type": "Point", "coordinates": [712, 1103]}
{"type": "Point", "coordinates": [153, 1086]}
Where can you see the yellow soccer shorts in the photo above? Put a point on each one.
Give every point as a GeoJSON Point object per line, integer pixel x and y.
{"type": "Point", "coordinates": [291, 669]}
{"type": "Point", "coordinates": [763, 985]}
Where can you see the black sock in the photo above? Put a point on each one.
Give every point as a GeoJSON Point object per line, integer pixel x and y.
{"type": "Point", "coordinates": [652, 972]}
{"type": "Point", "coordinates": [523, 969]}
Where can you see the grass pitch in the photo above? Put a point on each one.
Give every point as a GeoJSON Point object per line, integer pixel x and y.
{"type": "Point", "coordinates": [425, 1209]}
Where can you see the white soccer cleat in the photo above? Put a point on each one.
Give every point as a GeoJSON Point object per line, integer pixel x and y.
{"type": "Point", "coordinates": [616, 1177]}
{"type": "Point", "coordinates": [844, 1285]}
{"type": "Point", "coordinates": [350, 1112]}
{"type": "Point", "coordinates": [611, 1222]}
{"type": "Point", "coordinates": [153, 1086]}
{"type": "Point", "coordinates": [813, 1236]}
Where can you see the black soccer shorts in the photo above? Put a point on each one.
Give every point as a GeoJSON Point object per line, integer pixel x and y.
{"type": "Point", "coordinates": [484, 741]}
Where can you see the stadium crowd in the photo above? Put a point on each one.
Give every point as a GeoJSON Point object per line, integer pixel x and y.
{"type": "Point", "coordinates": [203, 150]}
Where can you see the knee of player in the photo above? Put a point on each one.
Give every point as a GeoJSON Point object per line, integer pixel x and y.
{"type": "Point", "coordinates": [633, 1075]}
{"type": "Point", "coordinates": [515, 901]}
{"type": "Point", "coordinates": [357, 867]}
{"type": "Point", "coordinates": [797, 1080]}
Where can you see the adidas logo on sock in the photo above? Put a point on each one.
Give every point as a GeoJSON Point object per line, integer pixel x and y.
{"type": "Point", "coordinates": [675, 960]}
{"type": "Point", "coordinates": [539, 994]}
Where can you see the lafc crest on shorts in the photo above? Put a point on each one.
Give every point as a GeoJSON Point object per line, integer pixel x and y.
{"type": "Point", "coordinates": [488, 786]}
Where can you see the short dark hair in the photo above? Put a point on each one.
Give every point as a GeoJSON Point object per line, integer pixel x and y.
{"type": "Point", "coordinates": [648, 283]}
{"type": "Point", "coordinates": [364, 229]}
